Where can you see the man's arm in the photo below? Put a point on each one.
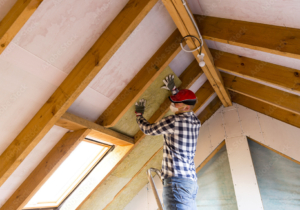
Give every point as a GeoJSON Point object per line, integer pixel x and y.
{"type": "Point", "coordinates": [164, 126]}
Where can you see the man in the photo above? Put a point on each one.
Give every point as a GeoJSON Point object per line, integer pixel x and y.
{"type": "Point", "coordinates": [180, 133]}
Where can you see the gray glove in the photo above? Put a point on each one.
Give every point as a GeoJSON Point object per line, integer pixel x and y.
{"type": "Point", "coordinates": [140, 107]}
{"type": "Point", "coordinates": [170, 84]}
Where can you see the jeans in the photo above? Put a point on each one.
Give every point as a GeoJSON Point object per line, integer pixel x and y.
{"type": "Point", "coordinates": [179, 194]}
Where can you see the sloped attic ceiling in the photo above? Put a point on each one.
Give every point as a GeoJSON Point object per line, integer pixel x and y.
{"type": "Point", "coordinates": [59, 34]}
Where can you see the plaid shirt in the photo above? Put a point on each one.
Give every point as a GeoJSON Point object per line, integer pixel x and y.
{"type": "Point", "coordinates": [180, 140]}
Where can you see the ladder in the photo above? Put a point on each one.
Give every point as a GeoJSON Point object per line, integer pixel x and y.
{"type": "Point", "coordinates": [150, 178]}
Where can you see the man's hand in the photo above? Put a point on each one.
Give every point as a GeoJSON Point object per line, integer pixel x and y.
{"type": "Point", "coordinates": [170, 84]}
{"type": "Point", "coordinates": [140, 107]}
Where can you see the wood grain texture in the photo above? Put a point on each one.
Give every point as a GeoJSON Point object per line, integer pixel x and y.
{"type": "Point", "coordinates": [84, 72]}
{"type": "Point", "coordinates": [210, 156]}
{"type": "Point", "coordinates": [142, 80]}
{"type": "Point", "coordinates": [211, 108]}
{"type": "Point", "coordinates": [186, 27]}
{"type": "Point", "coordinates": [45, 169]}
{"type": "Point", "coordinates": [272, 74]}
{"type": "Point", "coordinates": [73, 122]}
{"type": "Point", "coordinates": [188, 77]}
{"type": "Point", "coordinates": [266, 94]}
{"type": "Point", "coordinates": [203, 94]}
{"type": "Point", "coordinates": [267, 38]}
{"type": "Point", "coordinates": [15, 20]}
{"type": "Point", "coordinates": [267, 109]}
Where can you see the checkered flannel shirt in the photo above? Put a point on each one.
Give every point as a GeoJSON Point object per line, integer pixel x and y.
{"type": "Point", "coordinates": [180, 140]}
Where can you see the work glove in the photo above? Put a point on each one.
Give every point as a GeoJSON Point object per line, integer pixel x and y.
{"type": "Point", "coordinates": [170, 84]}
{"type": "Point", "coordinates": [140, 107]}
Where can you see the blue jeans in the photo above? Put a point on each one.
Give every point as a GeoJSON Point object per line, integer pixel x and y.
{"type": "Point", "coordinates": [179, 194]}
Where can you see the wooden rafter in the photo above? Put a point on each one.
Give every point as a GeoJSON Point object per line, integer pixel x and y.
{"type": "Point", "coordinates": [267, 109]}
{"type": "Point", "coordinates": [15, 20]}
{"type": "Point", "coordinates": [73, 122]}
{"type": "Point", "coordinates": [144, 78]}
{"type": "Point", "coordinates": [108, 43]}
{"type": "Point", "coordinates": [278, 40]}
{"type": "Point", "coordinates": [44, 170]}
{"type": "Point", "coordinates": [186, 27]}
{"type": "Point", "coordinates": [203, 94]}
{"type": "Point", "coordinates": [211, 108]}
{"type": "Point", "coordinates": [266, 94]}
{"type": "Point", "coordinates": [188, 77]}
{"type": "Point", "coordinates": [275, 75]}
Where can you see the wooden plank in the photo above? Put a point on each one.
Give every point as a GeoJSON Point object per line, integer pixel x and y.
{"type": "Point", "coordinates": [272, 74]}
{"type": "Point", "coordinates": [45, 169]}
{"type": "Point", "coordinates": [188, 77]}
{"type": "Point", "coordinates": [211, 155]}
{"type": "Point", "coordinates": [278, 40]}
{"type": "Point", "coordinates": [15, 20]}
{"type": "Point", "coordinates": [203, 94]}
{"type": "Point", "coordinates": [89, 66]}
{"type": "Point", "coordinates": [211, 108]}
{"type": "Point", "coordinates": [266, 94]}
{"type": "Point", "coordinates": [267, 109]}
{"type": "Point", "coordinates": [279, 153]}
{"type": "Point", "coordinates": [186, 27]}
{"type": "Point", "coordinates": [144, 78]}
{"type": "Point", "coordinates": [73, 122]}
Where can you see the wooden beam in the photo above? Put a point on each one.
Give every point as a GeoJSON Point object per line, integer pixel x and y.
{"type": "Point", "coordinates": [279, 153]}
{"type": "Point", "coordinates": [84, 72]}
{"type": "Point", "coordinates": [186, 27]}
{"type": "Point", "coordinates": [188, 77]}
{"type": "Point", "coordinates": [15, 20]}
{"type": "Point", "coordinates": [203, 94]}
{"type": "Point", "coordinates": [267, 109]}
{"type": "Point", "coordinates": [211, 155]}
{"type": "Point", "coordinates": [272, 74]}
{"type": "Point", "coordinates": [266, 94]}
{"type": "Point", "coordinates": [211, 108]}
{"type": "Point", "coordinates": [144, 78]}
{"type": "Point", "coordinates": [45, 169]}
{"type": "Point", "coordinates": [278, 40]}
{"type": "Point", "coordinates": [73, 122]}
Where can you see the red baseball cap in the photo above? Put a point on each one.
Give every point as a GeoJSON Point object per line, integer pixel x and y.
{"type": "Point", "coordinates": [184, 96]}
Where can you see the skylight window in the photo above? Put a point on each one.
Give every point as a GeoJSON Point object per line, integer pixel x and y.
{"type": "Point", "coordinates": [68, 175]}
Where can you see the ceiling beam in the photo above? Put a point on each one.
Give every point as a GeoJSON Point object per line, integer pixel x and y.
{"type": "Point", "coordinates": [267, 109]}
{"type": "Point", "coordinates": [203, 94]}
{"type": "Point", "coordinates": [209, 110]}
{"type": "Point", "coordinates": [188, 77]}
{"type": "Point", "coordinates": [186, 27]}
{"type": "Point", "coordinates": [142, 80]}
{"type": "Point", "coordinates": [278, 40]}
{"type": "Point", "coordinates": [83, 73]}
{"type": "Point", "coordinates": [15, 19]}
{"type": "Point", "coordinates": [266, 94]}
{"type": "Point", "coordinates": [275, 75]}
{"type": "Point", "coordinates": [73, 122]}
{"type": "Point", "coordinates": [44, 170]}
